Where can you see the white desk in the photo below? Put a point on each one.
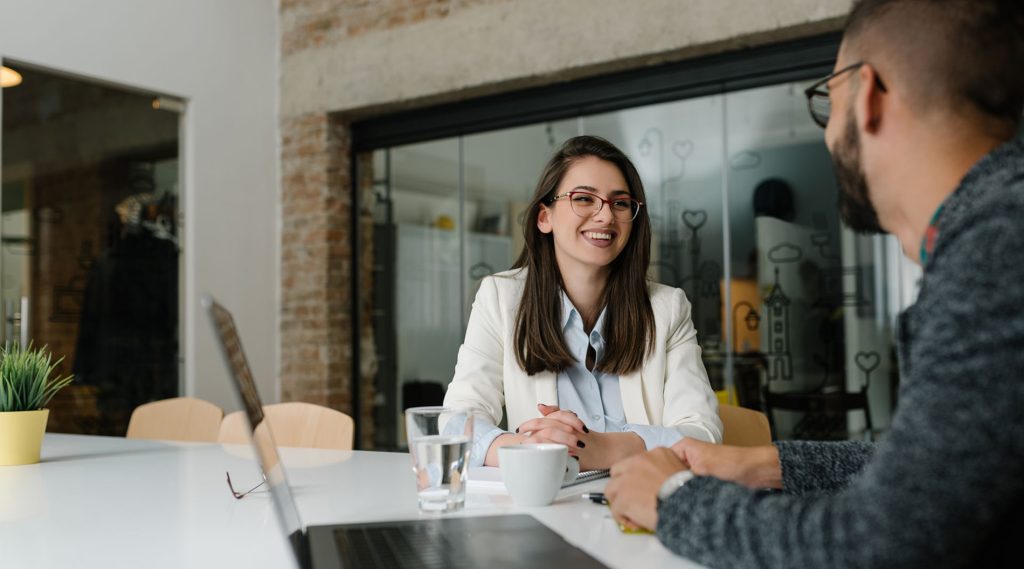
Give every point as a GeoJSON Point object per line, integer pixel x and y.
{"type": "Point", "coordinates": [111, 502]}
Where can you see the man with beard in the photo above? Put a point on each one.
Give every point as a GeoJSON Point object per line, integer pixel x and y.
{"type": "Point", "coordinates": [926, 99]}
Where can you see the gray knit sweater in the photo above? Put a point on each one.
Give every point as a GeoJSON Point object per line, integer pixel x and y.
{"type": "Point", "coordinates": [945, 486]}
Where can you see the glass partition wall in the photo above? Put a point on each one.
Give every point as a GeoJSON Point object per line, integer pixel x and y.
{"type": "Point", "coordinates": [794, 312]}
{"type": "Point", "coordinates": [90, 250]}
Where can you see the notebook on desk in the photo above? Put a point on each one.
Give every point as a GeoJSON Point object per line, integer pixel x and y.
{"type": "Point", "coordinates": [488, 479]}
{"type": "Point", "coordinates": [449, 542]}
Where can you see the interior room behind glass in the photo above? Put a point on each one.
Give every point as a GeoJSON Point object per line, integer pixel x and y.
{"type": "Point", "coordinates": [90, 241]}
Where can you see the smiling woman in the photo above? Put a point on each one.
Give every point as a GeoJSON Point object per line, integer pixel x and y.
{"type": "Point", "coordinates": [591, 257]}
{"type": "Point", "coordinates": [576, 345]}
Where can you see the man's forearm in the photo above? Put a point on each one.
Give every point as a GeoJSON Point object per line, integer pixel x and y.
{"type": "Point", "coordinates": [813, 466]}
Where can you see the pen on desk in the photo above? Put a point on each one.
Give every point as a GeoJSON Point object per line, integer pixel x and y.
{"type": "Point", "coordinates": [595, 497]}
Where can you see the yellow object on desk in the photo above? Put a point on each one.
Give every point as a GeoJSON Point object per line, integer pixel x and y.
{"type": "Point", "coordinates": [599, 498]}
{"type": "Point", "coordinates": [625, 529]}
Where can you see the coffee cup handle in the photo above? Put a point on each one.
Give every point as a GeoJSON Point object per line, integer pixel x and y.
{"type": "Point", "coordinates": [572, 470]}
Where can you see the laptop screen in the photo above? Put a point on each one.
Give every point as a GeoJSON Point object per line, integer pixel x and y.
{"type": "Point", "coordinates": [262, 438]}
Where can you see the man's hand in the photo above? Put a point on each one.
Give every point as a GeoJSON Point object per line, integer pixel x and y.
{"type": "Point", "coordinates": [633, 491]}
{"type": "Point", "coordinates": [754, 467]}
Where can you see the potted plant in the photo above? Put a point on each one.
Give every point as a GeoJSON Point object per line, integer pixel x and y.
{"type": "Point", "coordinates": [26, 386]}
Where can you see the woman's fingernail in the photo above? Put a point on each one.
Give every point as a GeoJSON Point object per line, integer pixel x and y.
{"type": "Point", "coordinates": [517, 429]}
{"type": "Point", "coordinates": [585, 429]}
{"type": "Point", "coordinates": [581, 444]}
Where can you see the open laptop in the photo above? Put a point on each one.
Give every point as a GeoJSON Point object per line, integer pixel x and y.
{"type": "Point", "coordinates": [453, 542]}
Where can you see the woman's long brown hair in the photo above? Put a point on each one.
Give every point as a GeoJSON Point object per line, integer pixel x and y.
{"type": "Point", "coordinates": [629, 319]}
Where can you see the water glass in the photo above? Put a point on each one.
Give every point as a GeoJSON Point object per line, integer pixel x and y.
{"type": "Point", "coordinates": [440, 439]}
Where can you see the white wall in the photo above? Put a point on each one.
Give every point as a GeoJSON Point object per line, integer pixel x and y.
{"type": "Point", "coordinates": [222, 56]}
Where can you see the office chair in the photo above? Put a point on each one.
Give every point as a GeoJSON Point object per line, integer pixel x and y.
{"type": "Point", "coordinates": [744, 427]}
{"type": "Point", "coordinates": [177, 419]}
{"type": "Point", "coordinates": [295, 424]}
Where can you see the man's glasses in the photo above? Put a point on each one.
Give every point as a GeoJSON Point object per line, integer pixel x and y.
{"type": "Point", "coordinates": [239, 495]}
{"type": "Point", "coordinates": [586, 204]}
{"type": "Point", "coordinates": [818, 102]}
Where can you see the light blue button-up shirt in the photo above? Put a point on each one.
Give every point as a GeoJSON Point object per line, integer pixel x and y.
{"type": "Point", "coordinates": [593, 395]}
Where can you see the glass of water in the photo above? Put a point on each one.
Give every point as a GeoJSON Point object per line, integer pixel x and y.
{"type": "Point", "coordinates": [440, 439]}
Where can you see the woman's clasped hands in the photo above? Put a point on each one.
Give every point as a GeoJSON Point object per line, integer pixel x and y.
{"type": "Point", "coordinates": [595, 450]}
{"type": "Point", "coordinates": [556, 426]}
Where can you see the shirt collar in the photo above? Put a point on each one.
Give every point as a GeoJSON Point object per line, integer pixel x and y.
{"type": "Point", "coordinates": [569, 311]}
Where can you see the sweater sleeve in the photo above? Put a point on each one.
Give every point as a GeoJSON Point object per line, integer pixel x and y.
{"type": "Point", "coordinates": [814, 466]}
{"type": "Point", "coordinates": [945, 479]}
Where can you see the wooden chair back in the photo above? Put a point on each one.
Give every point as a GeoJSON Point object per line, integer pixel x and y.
{"type": "Point", "coordinates": [177, 419]}
{"type": "Point", "coordinates": [295, 424]}
{"type": "Point", "coordinates": [744, 427]}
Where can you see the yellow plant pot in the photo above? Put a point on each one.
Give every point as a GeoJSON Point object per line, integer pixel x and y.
{"type": "Point", "coordinates": [21, 436]}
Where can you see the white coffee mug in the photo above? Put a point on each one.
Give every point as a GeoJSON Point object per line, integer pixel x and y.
{"type": "Point", "coordinates": [533, 473]}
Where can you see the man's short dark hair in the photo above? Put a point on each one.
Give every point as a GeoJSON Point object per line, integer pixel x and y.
{"type": "Point", "coordinates": [948, 52]}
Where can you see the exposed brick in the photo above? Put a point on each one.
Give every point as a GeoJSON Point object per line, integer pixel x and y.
{"type": "Point", "coordinates": [316, 23]}
{"type": "Point", "coordinates": [316, 351]}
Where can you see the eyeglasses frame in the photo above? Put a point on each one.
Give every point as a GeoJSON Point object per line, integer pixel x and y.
{"type": "Point", "coordinates": [569, 194]}
{"type": "Point", "coordinates": [239, 495]}
{"type": "Point", "coordinates": [817, 90]}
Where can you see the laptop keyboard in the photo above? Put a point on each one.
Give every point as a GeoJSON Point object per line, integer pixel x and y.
{"type": "Point", "coordinates": [404, 546]}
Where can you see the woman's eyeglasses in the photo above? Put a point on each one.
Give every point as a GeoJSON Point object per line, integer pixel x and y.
{"type": "Point", "coordinates": [586, 204]}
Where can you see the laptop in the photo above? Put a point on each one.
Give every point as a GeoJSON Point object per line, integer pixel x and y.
{"type": "Point", "coordinates": [499, 541]}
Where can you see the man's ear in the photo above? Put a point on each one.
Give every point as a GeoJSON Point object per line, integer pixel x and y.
{"type": "Point", "coordinates": [870, 101]}
{"type": "Point", "coordinates": [544, 219]}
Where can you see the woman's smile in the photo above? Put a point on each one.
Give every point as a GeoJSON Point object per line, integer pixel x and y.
{"type": "Point", "coordinates": [599, 237]}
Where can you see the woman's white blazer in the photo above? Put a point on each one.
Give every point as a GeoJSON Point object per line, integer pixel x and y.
{"type": "Point", "coordinates": [671, 388]}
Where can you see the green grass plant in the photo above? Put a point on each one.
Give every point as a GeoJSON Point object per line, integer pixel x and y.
{"type": "Point", "coordinates": [26, 382]}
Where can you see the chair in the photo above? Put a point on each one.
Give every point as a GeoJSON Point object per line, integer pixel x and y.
{"type": "Point", "coordinates": [176, 419]}
{"type": "Point", "coordinates": [295, 424]}
{"type": "Point", "coordinates": [744, 427]}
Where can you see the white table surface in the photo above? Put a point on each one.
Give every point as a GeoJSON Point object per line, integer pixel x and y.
{"type": "Point", "coordinates": [112, 502]}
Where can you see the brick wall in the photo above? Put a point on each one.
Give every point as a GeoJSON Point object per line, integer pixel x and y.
{"type": "Point", "coordinates": [66, 207]}
{"type": "Point", "coordinates": [67, 213]}
{"type": "Point", "coordinates": [316, 324]}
